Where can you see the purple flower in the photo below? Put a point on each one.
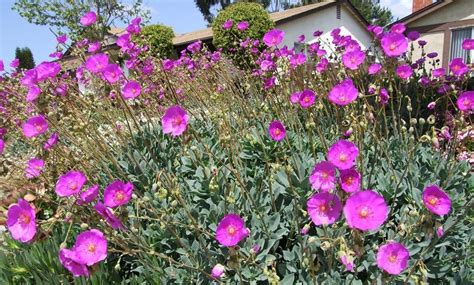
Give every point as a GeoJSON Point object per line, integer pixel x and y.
{"type": "Point", "coordinates": [398, 28]}
{"type": "Point", "coordinates": [97, 63]}
{"type": "Point", "coordinates": [301, 38]}
{"type": "Point", "coordinates": [465, 101]}
{"type": "Point", "coordinates": [458, 67]}
{"type": "Point", "coordinates": [439, 231]}
{"type": "Point", "coordinates": [295, 97]}
{"type": "Point", "coordinates": [47, 70]}
{"type": "Point", "coordinates": [124, 41]}
{"type": "Point", "coordinates": [94, 47]}
{"type": "Point", "coordinates": [75, 268]}
{"type": "Point", "coordinates": [343, 154]}
{"type": "Point", "coordinates": [273, 37]}
{"type": "Point", "coordinates": [432, 54]}
{"type": "Point", "coordinates": [322, 177]}
{"type": "Point", "coordinates": [348, 262]}
{"type": "Point", "coordinates": [317, 33]}
{"type": "Point", "coordinates": [228, 24]}
{"type": "Point", "coordinates": [439, 72]}
{"type": "Point", "coordinates": [468, 44]}
{"type": "Point", "coordinates": [90, 248]}
{"type": "Point", "coordinates": [33, 93]}
{"type": "Point", "coordinates": [307, 98]}
{"type": "Point", "coordinates": [34, 168]}
{"type": "Point", "coordinates": [374, 68]}
{"type": "Point", "coordinates": [365, 210]}
{"type": "Point", "coordinates": [394, 44]}
{"type": "Point", "coordinates": [353, 59]}
{"type": "Point", "coordinates": [2, 146]}
{"type": "Point", "coordinates": [436, 200]}
{"type": "Point", "coordinates": [89, 195]}
{"type": "Point", "coordinates": [131, 89]}
{"type": "Point", "coordinates": [343, 93]}
{"type": "Point", "coordinates": [350, 180]}
{"type": "Point", "coordinates": [324, 208]}
{"type": "Point", "coordinates": [431, 105]}
{"type": "Point", "coordinates": [89, 18]}
{"type": "Point", "coordinates": [35, 126]}
{"type": "Point", "coordinates": [112, 73]}
{"type": "Point", "coordinates": [218, 271]}
{"type": "Point", "coordinates": [107, 214]}
{"type": "Point", "coordinates": [383, 95]}
{"type": "Point", "coordinates": [21, 221]}
{"type": "Point", "coordinates": [174, 121]}
{"type": "Point", "coordinates": [242, 26]}
{"type": "Point", "coordinates": [70, 183]}
{"type": "Point", "coordinates": [266, 65]}
{"type": "Point", "coordinates": [277, 130]}
{"type": "Point", "coordinates": [393, 257]}
{"type": "Point", "coordinates": [231, 230]}
{"type": "Point", "coordinates": [15, 63]}
{"type": "Point", "coordinates": [413, 35]}
{"type": "Point", "coordinates": [2, 66]}
{"type": "Point", "coordinates": [117, 193]}
{"type": "Point", "coordinates": [52, 140]}
{"type": "Point", "coordinates": [404, 71]}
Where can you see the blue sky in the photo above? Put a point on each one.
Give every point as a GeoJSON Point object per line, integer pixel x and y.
{"type": "Point", "coordinates": [182, 15]}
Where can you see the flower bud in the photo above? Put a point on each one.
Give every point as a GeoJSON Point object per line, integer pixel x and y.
{"type": "Point", "coordinates": [84, 226]}
{"type": "Point", "coordinates": [218, 271]}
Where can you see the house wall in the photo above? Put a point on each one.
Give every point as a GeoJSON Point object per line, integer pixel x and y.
{"type": "Point", "coordinates": [436, 28]}
{"type": "Point", "coordinates": [325, 20]}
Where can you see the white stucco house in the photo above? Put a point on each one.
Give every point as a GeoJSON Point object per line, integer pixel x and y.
{"type": "Point", "coordinates": [304, 20]}
{"type": "Point", "coordinates": [444, 25]}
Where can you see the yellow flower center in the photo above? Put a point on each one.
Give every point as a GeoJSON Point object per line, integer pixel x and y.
{"type": "Point", "coordinates": [176, 121]}
{"type": "Point", "coordinates": [392, 258]}
{"type": "Point", "coordinates": [73, 186]}
{"type": "Point", "coordinates": [119, 196]}
{"type": "Point", "coordinates": [276, 132]}
{"type": "Point", "coordinates": [323, 208]}
{"type": "Point", "coordinates": [342, 98]}
{"type": "Point", "coordinates": [349, 181]}
{"type": "Point", "coordinates": [364, 212]}
{"type": "Point", "coordinates": [38, 127]}
{"type": "Point", "coordinates": [324, 174]}
{"type": "Point", "coordinates": [231, 230]}
{"type": "Point", "coordinates": [392, 46]}
{"type": "Point", "coordinates": [306, 99]}
{"type": "Point", "coordinates": [432, 201]}
{"type": "Point", "coordinates": [24, 219]}
{"type": "Point", "coordinates": [466, 102]}
{"type": "Point", "coordinates": [91, 248]}
{"type": "Point", "coordinates": [342, 157]}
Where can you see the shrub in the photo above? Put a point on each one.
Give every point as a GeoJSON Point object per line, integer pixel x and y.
{"type": "Point", "coordinates": [189, 168]}
{"type": "Point", "coordinates": [259, 22]}
{"type": "Point", "coordinates": [159, 38]}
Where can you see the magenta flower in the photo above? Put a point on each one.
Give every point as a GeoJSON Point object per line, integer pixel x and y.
{"type": "Point", "coordinates": [94, 47]}
{"type": "Point", "coordinates": [131, 89]}
{"type": "Point", "coordinates": [324, 208]}
{"type": "Point", "coordinates": [2, 66]}
{"type": "Point", "coordinates": [393, 257]}
{"type": "Point", "coordinates": [47, 70]}
{"type": "Point", "coordinates": [231, 230]}
{"type": "Point", "coordinates": [35, 126]}
{"type": "Point", "coordinates": [352, 59]}
{"type": "Point", "coordinates": [307, 98]}
{"type": "Point", "coordinates": [343, 93]}
{"type": "Point", "coordinates": [88, 195]}
{"type": "Point", "coordinates": [394, 44]}
{"type": "Point", "coordinates": [374, 68]}
{"type": "Point", "coordinates": [273, 37]}
{"type": "Point", "coordinates": [458, 67]}
{"type": "Point", "coordinates": [218, 271]}
{"type": "Point", "coordinates": [468, 44]}
{"type": "Point", "coordinates": [124, 41]}
{"type": "Point", "coordinates": [90, 247]}
{"type": "Point", "coordinates": [21, 221]}
{"type": "Point", "coordinates": [398, 28]}
{"type": "Point", "coordinates": [365, 210]}
{"type": "Point", "coordinates": [15, 63]}
{"type": "Point", "coordinates": [34, 168]}
{"type": "Point", "coordinates": [108, 215]}
{"type": "Point", "coordinates": [413, 35]}
{"type": "Point", "coordinates": [277, 130]}
{"type": "Point", "coordinates": [61, 39]}
{"type": "Point", "coordinates": [112, 73]}
{"type": "Point", "coordinates": [295, 97]}
{"type": "Point", "coordinates": [2, 146]}
{"type": "Point", "coordinates": [350, 180]}
{"type": "Point", "coordinates": [242, 26]}
{"type": "Point", "coordinates": [117, 193]}
{"type": "Point", "coordinates": [52, 141]}
{"type": "Point", "coordinates": [436, 200]}
{"type": "Point", "coordinates": [348, 262]}
{"type": "Point", "coordinates": [75, 268]}
{"type": "Point", "coordinates": [89, 18]}
{"type": "Point", "coordinates": [322, 176]}
{"type": "Point", "coordinates": [439, 72]}
{"type": "Point", "coordinates": [33, 93]}
{"type": "Point", "coordinates": [343, 154]}
{"type": "Point", "coordinates": [440, 231]}
{"type": "Point", "coordinates": [174, 121]}
{"type": "Point", "coordinates": [404, 71]}
{"type": "Point", "coordinates": [465, 101]}
{"type": "Point", "coordinates": [97, 63]}
{"type": "Point", "coordinates": [228, 24]}
{"type": "Point", "coordinates": [383, 95]}
{"type": "Point", "coordinates": [70, 183]}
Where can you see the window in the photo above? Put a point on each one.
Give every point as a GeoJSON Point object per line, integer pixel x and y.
{"type": "Point", "coordinates": [457, 37]}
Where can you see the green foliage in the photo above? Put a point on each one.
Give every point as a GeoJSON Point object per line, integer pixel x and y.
{"type": "Point", "coordinates": [160, 40]}
{"type": "Point", "coordinates": [259, 23]}
{"type": "Point", "coordinates": [26, 58]}
{"type": "Point", "coordinates": [65, 15]}
{"type": "Point", "coordinates": [372, 10]}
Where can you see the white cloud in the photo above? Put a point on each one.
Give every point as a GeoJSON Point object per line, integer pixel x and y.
{"type": "Point", "coordinates": [399, 8]}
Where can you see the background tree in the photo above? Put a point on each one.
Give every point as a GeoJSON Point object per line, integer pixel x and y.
{"type": "Point", "coordinates": [373, 12]}
{"type": "Point", "coordinates": [160, 40]}
{"type": "Point", "coordinates": [25, 56]}
{"type": "Point", "coordinates": [64, 15]}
